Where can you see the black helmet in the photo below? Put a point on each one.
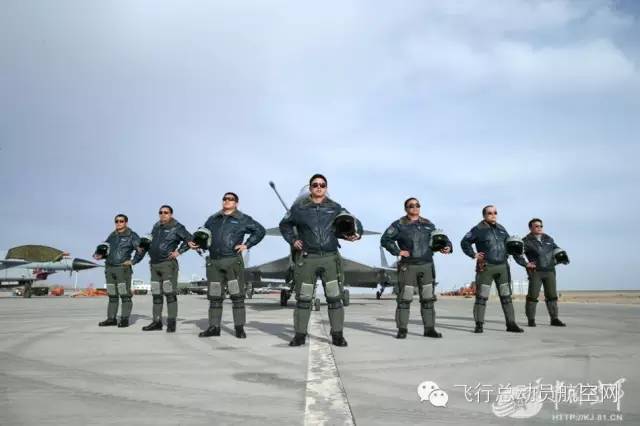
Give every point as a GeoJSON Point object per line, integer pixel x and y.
{"type": "Point", "coordinates": [344, 226]}
{"type": "Point", "coordinates": [103, 249]}
{"type": "Point", "coordinates": [561, 256]}
{"type": "Point", "coordinates": [515, 246]}
{"type": "Point", "coordinates": [202, 238]}
{"type": "Point", "coordinates": [438, 240]}
{"type": "Point", "coordinates": [145, 242]}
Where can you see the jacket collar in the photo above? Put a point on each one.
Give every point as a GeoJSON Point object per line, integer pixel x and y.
{"type": "Point", "coordinates": [169, 224]}
{"type": "Point", "coordinates": [404, 220]}
{"type": "Point", "coordinates": [530, 236]}
{"type": "Point", "coordinates": [236, 214]}
{"type": "Point", "coordinates": [125, 233]}
{"type": "Point", "coordinates": [485, 225]}
{"type": "Point", "coordinates": [306, 201]}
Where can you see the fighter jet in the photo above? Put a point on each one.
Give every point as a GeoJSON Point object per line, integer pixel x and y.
{"type": "Point", "coordinates": [24, 265]}
{"type": "Point", "coordinates": [356, 274]}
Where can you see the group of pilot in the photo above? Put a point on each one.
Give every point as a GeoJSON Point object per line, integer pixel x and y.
{"type": "Point", "coordinates": [312, 226]}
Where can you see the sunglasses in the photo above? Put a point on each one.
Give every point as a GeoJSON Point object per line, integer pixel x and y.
{"type": "Point", "coordinates": [537, 226]}
{"type": "Point", "coordinates": [492, 213]}
{"type": "Point", "coordinates": [228, 199]}
{"type": "Point", "coordinates": [318, 185]}
{"type": "Point", "coordinates": [120, 221]}
{"type": "Point", "coordinates": [164, 212]}
{"type": "Point", "coordinates": [413, 206]}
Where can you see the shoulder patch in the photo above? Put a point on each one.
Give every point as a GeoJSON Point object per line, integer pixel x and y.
{"type": "Point", "coordinates": [390, 230]}
{"type": "Point", "coordinates": [468, 234]}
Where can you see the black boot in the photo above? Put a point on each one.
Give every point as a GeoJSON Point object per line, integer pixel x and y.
{"type": "Point", "coordinates": [155, 325]}
{"type": "Point", "coordinates": [108, 322]}
{"type": "Point", "coordinates": [171, 325]}
{"type": "Point", "coordinates": [124, 322]}
{"type": "Point", "coordinates": [298, 339]}
{"type": "Point", "coordinates": [557, 323]}
{"type": "Point", "coordinates": [240, 334]}
{"type": "Point", "coordinates": [402, 333]}
{"type": "Point", "coordinates": [512, 327]}
{"type": "Point", "coordinates": [532, 323]}
{"type": "Point", "coordinates": [479, 328]}
{"type": "Point", "coordinates": [431, 332]}
{"type": "Point", "coordinates": [211, 331]}
{"type": "Point", "coordinates": [338, 339]}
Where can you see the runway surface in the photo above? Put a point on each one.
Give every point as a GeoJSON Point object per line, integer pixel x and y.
{"type": "Point", "coordinates": [58, 367]}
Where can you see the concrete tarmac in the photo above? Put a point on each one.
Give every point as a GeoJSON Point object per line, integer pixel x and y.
{"type": "Point", "coordinates": [58, 367]}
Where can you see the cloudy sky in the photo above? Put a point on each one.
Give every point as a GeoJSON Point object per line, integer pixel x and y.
{"type": "Point", "coordinates": [110, 107]}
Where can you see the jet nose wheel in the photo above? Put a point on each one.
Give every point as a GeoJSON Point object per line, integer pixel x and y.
{"type": "Point", "coordinates": [345, 297]}
{"type": "Point", "coordinates": [316, 304]}
{"type": "Point", "coordinates": [249, 291]}
{"type": "Point", "coordinates": [378, 295]}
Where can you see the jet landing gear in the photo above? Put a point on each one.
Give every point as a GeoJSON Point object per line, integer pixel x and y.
{"type": "Point", "coordinates": [26, 292]}
{"type": "Point", "coordinates": [345, 297]}
{"type": "Point", "coordinates": [285, 295]}
{"type": "Point", "coordinates": [380, 292]}
{"type": "Point", "coordinates": [249, 291]}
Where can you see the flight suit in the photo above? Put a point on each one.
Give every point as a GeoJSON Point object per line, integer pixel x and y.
{"type": "Point", "coordinates": [415, 271]}
{"type": "Point", "coordinates": [490, 240]}
{"type": "Point", "coordinates": [164, 271]}
{"type": "Point", "coordinates": [118, 276]}
{"type": "Point", "coordinates": [313, 224]}
{"type": "Point", "coordinates": [540, 252]}
{"type": "Point", "coordinates": [225, 267]}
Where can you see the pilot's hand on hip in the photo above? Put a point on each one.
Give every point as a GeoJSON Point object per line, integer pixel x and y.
{"type": "Point", "coordinates": [173, 255]}
{"type": "Point", "coordinates": [404, 253]}
{"type": "Point", "coordinates": [297, 244]}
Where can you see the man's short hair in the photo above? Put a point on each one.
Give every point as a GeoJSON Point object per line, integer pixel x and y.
{"type": "Point", "coordinates": [167, 206]}
{"type": "Point", "coordinates": [232, 194]}
{"type": "Point", "coordinates": [409, 199]}
{"type": "Point", "coordinates": [534, 220]}
{"type": "Point", "coordinates": [484, 209]}
{"type": "Point", "coordinates": [122, 215]}
{"type": "Point", "coordinates": [318, 176]}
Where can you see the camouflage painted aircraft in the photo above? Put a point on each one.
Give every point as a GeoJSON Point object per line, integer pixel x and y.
{"type": "Point", "coordinates": [24, 265]}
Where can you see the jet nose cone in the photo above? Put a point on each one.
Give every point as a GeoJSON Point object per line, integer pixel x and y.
{"type": "Point", "coordinates": [81, 264]}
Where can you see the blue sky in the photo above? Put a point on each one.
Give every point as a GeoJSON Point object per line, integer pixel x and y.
{"type": "Point", "coordinates": [123, 106]}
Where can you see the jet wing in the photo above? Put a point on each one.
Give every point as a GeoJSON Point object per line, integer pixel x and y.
{"type": "Point", "coordinates": [358, 274]}
{"type": "Point", "coordinates": [275, 269]}
{"type": "Point", "coordinates": [8, 263]}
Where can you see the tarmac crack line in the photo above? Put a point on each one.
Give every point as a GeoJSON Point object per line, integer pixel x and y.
{"type": "Point", "coordinates": [326, 400]}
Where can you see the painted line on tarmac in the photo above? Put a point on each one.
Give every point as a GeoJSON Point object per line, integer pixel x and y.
{"type": "Point", "coordinates": [326, 401]}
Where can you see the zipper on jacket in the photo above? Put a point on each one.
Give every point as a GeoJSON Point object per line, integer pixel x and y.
{"type": "Point", "coordinates": [318, 228]}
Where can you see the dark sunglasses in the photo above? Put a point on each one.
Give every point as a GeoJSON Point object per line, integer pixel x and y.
{"type": "Point", "coordinates": [228, 199]}
{"type": "Point", "coordinates": [492, 213]}
{"type": "Point", "coordinates": [164, 212]}
{"type": "Point", "coordinates": [413, 206]}
{"type": "Point", "coordinates": [120, 221]}
{"type": "Point", "coordinates": [318, 185]}
{"type": "Point", "coordinates": [538, 226]}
